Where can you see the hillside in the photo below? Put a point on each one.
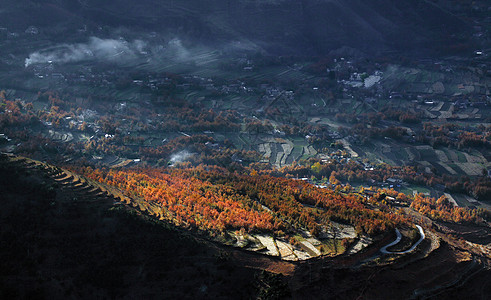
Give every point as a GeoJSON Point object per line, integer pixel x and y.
{"type": "Point", "coordinates": [307, 27]}
{"type": "Point", "coordinates": [68, 238]}
{"type": "Point", "coordinates": [60, 241]}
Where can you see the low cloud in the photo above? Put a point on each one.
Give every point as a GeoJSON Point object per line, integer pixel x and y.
{"type": "Point", "coordinates": [169, 51]}
{"type": "Point", "coordinates": [109, 50]}
{"type": "Point", "coordinates": [94, 49]}
{"type": "Point", "coordinates": [176, 49]}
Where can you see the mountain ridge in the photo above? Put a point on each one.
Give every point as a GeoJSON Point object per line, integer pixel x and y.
{"type": "Point", "coordinates": [286, 27]}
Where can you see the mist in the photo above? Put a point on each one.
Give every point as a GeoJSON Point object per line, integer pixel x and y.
{"type": "Point", "coordinates": [180, 157]}
{"type": "Point", "coordinates": [110, 50]}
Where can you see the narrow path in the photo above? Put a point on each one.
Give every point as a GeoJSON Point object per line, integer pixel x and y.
{"type": "Point", "coordinates": [398, 239]}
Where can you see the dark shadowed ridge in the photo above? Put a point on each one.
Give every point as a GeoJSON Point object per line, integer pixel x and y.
{"type": "Point", "coordinates": [284, 27]}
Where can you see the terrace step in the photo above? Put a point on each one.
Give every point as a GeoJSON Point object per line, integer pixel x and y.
{"type": "Point", "coordinates": [66, 179]}
{"type": "Point", "coordinates": [83, 189]}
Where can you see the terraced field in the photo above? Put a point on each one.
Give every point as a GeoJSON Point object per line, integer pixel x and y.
{"type": "Point", "coordinates": [81, 189]}
{"type": "Point", "coordinates": [280, 151]}
{"type": "Point", "coordinates": [444, 160]}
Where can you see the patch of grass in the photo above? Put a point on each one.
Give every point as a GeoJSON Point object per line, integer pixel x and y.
{"type": "Point", "coordinates": [461, 157]}
{"type": "Point", "coordinates": [409, 190]}
{"type": "Point", "coordinates": [299, 238]}
{"type": "Point", "coordinates": [332, 246]}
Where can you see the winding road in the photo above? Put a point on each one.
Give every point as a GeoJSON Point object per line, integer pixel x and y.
{"type": "Point", "coordinates": [398, 239]}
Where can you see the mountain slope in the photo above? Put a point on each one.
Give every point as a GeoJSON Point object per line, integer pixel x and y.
{"type": "Point", "coordinates": [277, 26]}
{"type": "Point", "coordinates": [60, 242]}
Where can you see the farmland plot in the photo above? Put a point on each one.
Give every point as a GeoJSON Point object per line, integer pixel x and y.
{"type": "Point", "coordinates": [427, 153]}
{"type": "Point", "coordinates": [286, 251]}
{"type": "Point", "coordinates": [451, 155]}
{"type": "Point", "coordinates": [363, 242]}
{"type": "Point", "coordinates": [339, 231]}
{"type": "Point", "coordinates": [441, 169]}
{"type": "Point", "coordinates": [295, 154]}
{"type": "Point", "coordinates": [475, 158]}
{"type": "Point", "coordinates": [60, 136]}
{"type": "Point", "coordinates": [471, 169]}
{"type": "Point", "coordinates": [281, 152]}
{"type": "Point", "coordinates": [457, 169]}
{"type": "Point", "coordinates": [447, 168]}
{"type": "Point", "coordinates": [269, 243]}
{"type": "Point", "coordinates": [442, 157]}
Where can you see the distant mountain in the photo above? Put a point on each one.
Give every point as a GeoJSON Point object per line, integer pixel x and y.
{"type": "Point", "coordinates": [277, 26]}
